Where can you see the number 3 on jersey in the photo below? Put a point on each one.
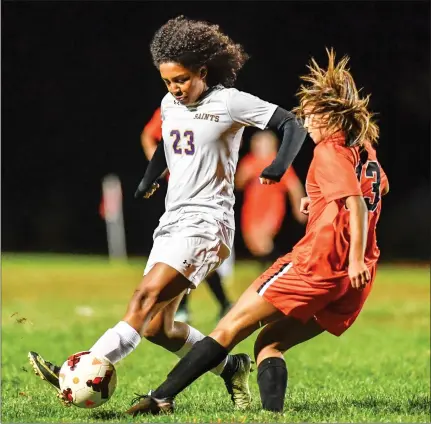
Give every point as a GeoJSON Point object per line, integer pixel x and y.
{"type": "Point", "coordinates": [372, 170]}
{"type": "Point", "coordinates": [189, 136]}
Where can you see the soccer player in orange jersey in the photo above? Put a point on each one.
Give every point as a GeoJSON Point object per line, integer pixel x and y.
{"type": "Point", "coordinates": [150, 137]}
{"type": "Point", "coordinates": [264, 207]}
{"type": "Point", "coordinates": [324, 282]}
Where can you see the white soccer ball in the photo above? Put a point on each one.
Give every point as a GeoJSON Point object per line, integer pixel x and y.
{"type": "Point", "coordinates": [86, 380]}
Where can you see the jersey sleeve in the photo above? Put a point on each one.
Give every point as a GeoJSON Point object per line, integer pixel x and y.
{"type": "Point", "coordinates": [154, 126]}
{"type": "Point", "coordinates": [249, 110]}
{"type": "Point", "coordinates": [335, 172]}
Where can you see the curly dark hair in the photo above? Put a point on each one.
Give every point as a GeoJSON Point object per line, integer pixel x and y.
{"type": "Point", "coordinates": [194, 44]}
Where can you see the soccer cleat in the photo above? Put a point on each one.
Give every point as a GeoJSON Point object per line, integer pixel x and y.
{"type": "Point", "coordinates": [48, 372]}
{"type": "Point", "coordinates": [45, 370]}
{"type": "Point", "coordinates": [147, 404]}
{"type": "Point", "coordinates": [237, 384]}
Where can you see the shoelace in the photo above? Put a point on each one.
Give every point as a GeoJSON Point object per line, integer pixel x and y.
{"type": "Point", "coordinates": [138, 398]}
{"type": "Point", "coordinates": [53, 368]}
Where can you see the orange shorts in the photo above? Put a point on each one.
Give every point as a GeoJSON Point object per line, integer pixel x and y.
{"type": "Point", "coordinates": [335, 305]}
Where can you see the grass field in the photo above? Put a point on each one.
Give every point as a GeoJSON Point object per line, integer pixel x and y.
{"type": "Point", "coordinates": [379, 371]}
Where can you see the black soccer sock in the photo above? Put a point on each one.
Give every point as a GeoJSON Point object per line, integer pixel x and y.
{"type": "Point", "coordinates": [215, 284]}
{"type": "Point", "coordinates": [203, 356]}
{"type": "Point", "coordinates": [272, 381]}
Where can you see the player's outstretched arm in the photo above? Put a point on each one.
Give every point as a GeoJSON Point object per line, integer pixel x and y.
{"type": "Point", "coordinates": [292, 135]}
{"type": "Point", "coordinates": [155, 169]}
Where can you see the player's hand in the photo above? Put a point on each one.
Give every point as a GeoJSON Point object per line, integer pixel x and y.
{"type": "Point", "coordinates": [267, 181]}
{"type": "Point", "coordinates": [359, 274]}
{"type": "Point", "coordinates": [146, 194]}
{"type": "Point", "coordinates": [303, 207]}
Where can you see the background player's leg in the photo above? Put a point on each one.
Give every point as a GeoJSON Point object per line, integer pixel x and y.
{"type": "Point", "coordinates": [157, 289]}
{"type": "Point", "coordinates": [182, 312]}
{"type": "Point", "coordinates": [260, 242]}
{"type": "Point", "coordinates": [275, 339]}
{"type": "Point", "coordinates": [215, 285]}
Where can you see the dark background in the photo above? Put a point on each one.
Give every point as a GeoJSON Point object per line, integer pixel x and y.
{"type": "Point", "coordinates": [78, 85]}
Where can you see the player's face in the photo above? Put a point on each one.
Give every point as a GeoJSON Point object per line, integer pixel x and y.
{"type": "Point", "coordinates": [185, 85]}
{"type": "Point", "coordinates": [315, 125]}
{"type": "Point", "coordinates": [263, 145]}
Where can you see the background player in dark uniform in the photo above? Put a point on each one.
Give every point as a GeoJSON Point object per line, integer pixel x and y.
{"type": "Point", "coordinates": [323, 283]}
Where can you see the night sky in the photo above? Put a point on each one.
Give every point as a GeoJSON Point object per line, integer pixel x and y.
{"type": "Point", "coordinates": [78, 85]}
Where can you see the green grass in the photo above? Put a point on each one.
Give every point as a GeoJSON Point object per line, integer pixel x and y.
{"type": "Point", "coordinates": [378, 371]}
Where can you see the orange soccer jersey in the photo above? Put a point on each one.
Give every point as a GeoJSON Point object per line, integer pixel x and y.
{"type": "Point", "coordinates": [335, 173]}
{"type": "Point", "coordinates": [154, 126]}
{"type": "Point", "coordinates": [264, 205]}
{"type": "Point", "coordinates": [312, 280]}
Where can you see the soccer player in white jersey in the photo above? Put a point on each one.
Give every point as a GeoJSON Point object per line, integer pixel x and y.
{"type": "Point", "coordinates": [203, 121]}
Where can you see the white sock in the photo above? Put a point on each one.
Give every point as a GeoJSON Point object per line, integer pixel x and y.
{"type": "Point", "coordinates": [194, 337]}
{"type": "Point", "coordinates": [117, 342]}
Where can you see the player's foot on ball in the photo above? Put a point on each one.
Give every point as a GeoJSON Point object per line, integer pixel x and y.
{"type": "Point", "coordinates": [237, 383]}
{"type": "Point", "coordinates": [146, 404]}
{"type": "Point", "coordinates": [45, 370]}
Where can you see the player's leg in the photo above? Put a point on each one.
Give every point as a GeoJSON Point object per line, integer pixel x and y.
{"type": "Point", "coordinates": [276, 293]}
{"type": "Point", "coordinates": [183, 313]}
{"type": "Point", "coordinates": [272, 342]}
{"type": "Point", "coordinates": [259, 240]}
{"type": "Point", "coordinates": [175, 336]}
{"type": "Point", "coordinates": [158, 288]}
{"type": "Point", "coordinates": [216, 286]}
{"type": "Point", "coordinates": [248, 314]}
{"type": "Point", "coordinates": [332, 307]}
{"type": "Point", "coordinates": [179, 338]}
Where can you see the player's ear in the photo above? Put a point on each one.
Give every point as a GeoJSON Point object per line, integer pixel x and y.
{"type": "Point", "coordinates": [203, 71]}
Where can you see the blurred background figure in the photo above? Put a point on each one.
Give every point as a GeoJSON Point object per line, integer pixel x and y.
{"type": "Point", "coordinates": [264, 206]}
{"type": "Point", "coordinates": [152, 135]}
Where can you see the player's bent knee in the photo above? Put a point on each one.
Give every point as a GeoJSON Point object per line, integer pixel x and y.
{"type": "Point", "coordinates": [273, 350]}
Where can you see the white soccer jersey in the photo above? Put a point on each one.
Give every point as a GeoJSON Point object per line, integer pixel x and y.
{"type": "Point", "coordinates": [201, 146]}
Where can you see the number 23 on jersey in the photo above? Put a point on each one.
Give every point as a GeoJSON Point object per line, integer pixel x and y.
{"type": "Point", "coordinates": [189, 139]}
{"type": "Point", "coordinates": [372, 171]}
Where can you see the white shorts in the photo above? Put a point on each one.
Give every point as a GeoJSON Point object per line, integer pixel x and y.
{"type": "Point", "coordinates": [195, 246]}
